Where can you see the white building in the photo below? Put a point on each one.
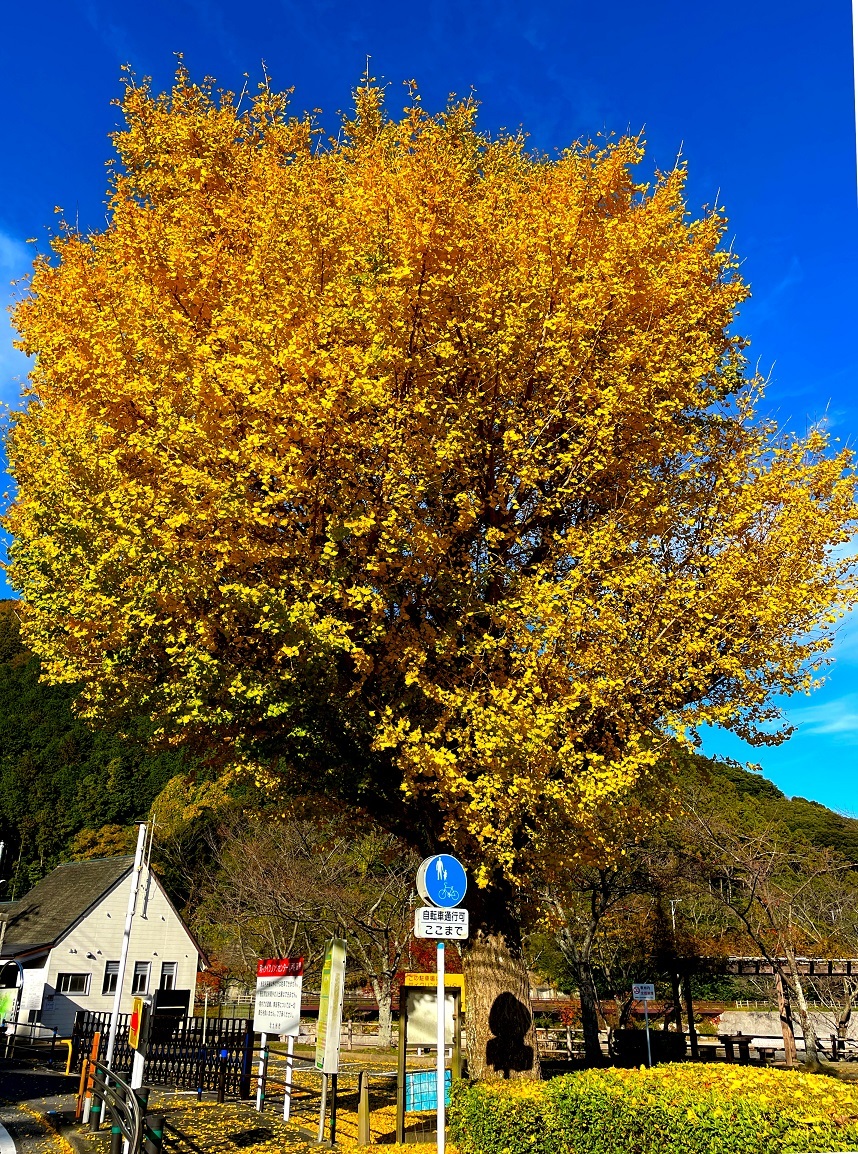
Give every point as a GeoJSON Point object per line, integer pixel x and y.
{"type": "Point", "coordinates": [66, 935]}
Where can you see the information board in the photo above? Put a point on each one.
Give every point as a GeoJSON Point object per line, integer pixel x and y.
{"type": "Point", "coordinates": [331, 1007]}
{"type": "Point", "coordinates": [277, 1008]}
{"type": "Point", "coordinates": [423, 1017]}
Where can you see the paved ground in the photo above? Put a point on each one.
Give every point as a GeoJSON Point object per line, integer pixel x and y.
{"type": "Point", "coordinates": [35, 1109]}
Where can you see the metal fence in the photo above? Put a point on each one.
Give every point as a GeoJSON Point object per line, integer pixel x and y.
{"type": "Point", "coordinates": [198, 1056]}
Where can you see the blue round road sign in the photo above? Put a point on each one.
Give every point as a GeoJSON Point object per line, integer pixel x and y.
{"type": "Point", "coordinates": [442, 881]}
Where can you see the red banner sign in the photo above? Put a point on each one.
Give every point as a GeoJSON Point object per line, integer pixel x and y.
{"type": "Point", "coordinates": [280, 968]}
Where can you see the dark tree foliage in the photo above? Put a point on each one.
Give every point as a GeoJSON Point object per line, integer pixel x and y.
{"type": "Point", "coordinates": [58, 777]}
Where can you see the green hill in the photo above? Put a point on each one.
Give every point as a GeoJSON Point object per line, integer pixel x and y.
{"type": "Point", "coordinates": [57, 776]}
{"type": "Point", "coordinates": [809, 820]}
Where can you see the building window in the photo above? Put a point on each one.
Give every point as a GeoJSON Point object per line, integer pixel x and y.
{"type": "Point", "coordinates": [111, 973]}
{"type": "Point", "coordinates": [73, 983]}
{"type": "Point", "coordinates": [140, 982]}
{"type": "Point", "coordinates": [168, 975]}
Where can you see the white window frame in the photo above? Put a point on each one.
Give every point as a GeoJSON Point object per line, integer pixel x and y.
{"type": "Point", "coordinates": [63, 983]}
{"type": "Point", "coordinates": [171, 970]}
{"type": "Point", "coordinates": [108, 987]}
{"type": "Point", "coordinates": [141, 970]}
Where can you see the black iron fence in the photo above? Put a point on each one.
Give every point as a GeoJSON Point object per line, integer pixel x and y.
{"type": "Point", "coordinates": [213, 1055]}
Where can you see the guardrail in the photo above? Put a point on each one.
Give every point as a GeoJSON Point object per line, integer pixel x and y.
{"type": "Point", "coordinates": [131, 1128]}
{"type": "Point", "coordinates": [17, 1035]}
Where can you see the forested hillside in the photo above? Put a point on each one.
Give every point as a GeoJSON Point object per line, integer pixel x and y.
{"type": "Point", "coordinates": [809, 820]}
{"type": "Point", "coordinates": [65, 790]}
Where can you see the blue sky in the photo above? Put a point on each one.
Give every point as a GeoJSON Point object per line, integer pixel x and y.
{"type": "Point", "coordinates": [757, 95]}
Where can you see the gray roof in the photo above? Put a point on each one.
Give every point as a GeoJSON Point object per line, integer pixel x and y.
{"type": "Point", "coordinates": [51, 908]}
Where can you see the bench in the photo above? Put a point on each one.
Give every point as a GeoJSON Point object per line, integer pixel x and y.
{"type": "Point", "coordinates": [732, 1042]}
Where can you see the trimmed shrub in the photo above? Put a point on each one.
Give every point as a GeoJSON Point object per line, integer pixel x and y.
{"type": "Point", "coordinates": [682, 1109]}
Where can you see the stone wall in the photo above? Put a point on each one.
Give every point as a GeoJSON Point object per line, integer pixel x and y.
{"type": "Point", "coordinates": [766, 1024]}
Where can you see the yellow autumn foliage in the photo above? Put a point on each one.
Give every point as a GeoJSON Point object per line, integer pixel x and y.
{"type": "Point", "coordinates": [439, 446]}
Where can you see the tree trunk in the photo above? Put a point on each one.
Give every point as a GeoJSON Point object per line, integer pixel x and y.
{"type": "Point", "coordinates": [677, 1001]}
{"type": "Point", "coordinates": [383, 990]}
{"type": "Point", "coordinates": [811, 1042]}
{"type": "Point", "coordinates": [498, 1023]}
{"type": "Point", "coordinates": [785, 1014]}
{"type": "Point", "coordinates": [589, 1014]}
{"type": "Point", "coordinates": [578, 955]}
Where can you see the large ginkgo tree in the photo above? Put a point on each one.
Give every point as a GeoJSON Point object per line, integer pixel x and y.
{"type": "Point", "coordinates": [420, 470]}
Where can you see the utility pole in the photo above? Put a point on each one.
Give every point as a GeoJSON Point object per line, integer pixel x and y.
{"type": "Point", "coordinates": [674, 902]}
{"type": "Point", "coordinates": [126, 936]}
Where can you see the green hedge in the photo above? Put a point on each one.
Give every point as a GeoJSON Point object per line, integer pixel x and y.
{"type": "Point", "coordinates": [681, 1109]}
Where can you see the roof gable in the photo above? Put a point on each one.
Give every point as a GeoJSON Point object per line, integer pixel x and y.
{"type": "Point", "coordinates": [202, 956]}
{"type": "Point", "coordinates": [52, 907]}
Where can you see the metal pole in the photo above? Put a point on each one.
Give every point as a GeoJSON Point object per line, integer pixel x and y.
{"type": "Point", "coordinates": [323, 1108]}
{"type": "Point", "coordinates": [260, 1077]}
{"type": "Point", "coordinates": [441, 1039]}
{"type": "Point", "coordinates": [126, 936]}
{"type": "Point", "coordinates": [646, 1021]}
{"type": "Point", "coordinates": [138, 1070]}
{"type": "Point", "coordinates": [287, 1097]}
{"type": "Point", "coordinates": [333, 1109]}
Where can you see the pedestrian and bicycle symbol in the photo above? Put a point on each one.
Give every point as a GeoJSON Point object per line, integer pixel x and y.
{"type": "Point", "coordinates": [442, 881]}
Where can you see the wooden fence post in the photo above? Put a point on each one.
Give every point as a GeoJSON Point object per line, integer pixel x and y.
{"type": "Point", "coordinates": [363, 1133]}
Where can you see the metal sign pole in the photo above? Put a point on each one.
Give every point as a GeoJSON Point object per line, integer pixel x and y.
{"type": "Point", "coordinates": [441, 1050]}
{"type": "Point", "coordinates": [260, 1077]}
{"type": "Point", "coordinates": [323, 1108]}
{"type": "Point", "coordinates": [646, 1022]}
{"type": "Point", "coordinates": [287, 1097]}
{"type": "Point", "coordinates": [442, 882]}
{"type": "Point", "coordinates": [126, 936]}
